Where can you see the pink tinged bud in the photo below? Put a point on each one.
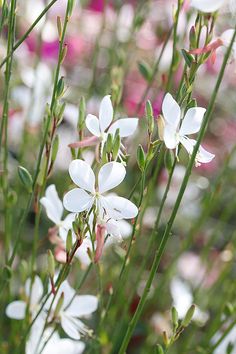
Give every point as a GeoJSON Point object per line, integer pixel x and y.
{"type": "Point", "coordinates": [208, 48]}
{"type": "Point", "coordinates": [60, 254]}
{"type": "Point", "coordinates": [90, 141]}
{"type": "Point", "coordinates": [100, 238]}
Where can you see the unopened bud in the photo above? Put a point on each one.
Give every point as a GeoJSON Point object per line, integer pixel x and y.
{"type": "Point", "coordinates": [59, 305]}
{"type": "Point", "coordinates": [150, 118]}
{"type": "Point", "coordinates": [59, 27]}
{"type": "Point", "coordinates": [63, 53]}
{"type": "Point", "coordinates": [165, 339]}
{"type": "Point", "coordinates": [169, 159]}
{"type": "Point", "coordinates": [141, 158]}
{"type": "Point", "coordinates": [55, 147]}
{"type": "Point", "coordinates": [51, 264]}
{"type": "Point", "coordinates": [189, 315]}
{"type": "Point", "coordinates": [25, 178]}
{"type": "Point", "coordinates": [161, 126]}
{"type": "Point", "coordinates": [109, 143]}
{"type": "Point", "coordinates": [116, 144]}
{"type": "Point", "coordinates": [159, 349]}
{"type": "Point", "coordinates": [192, 38]}
{"type": "Point", "coordinates": [69, 241]}
{"type": "Point", "coordinates": [175, 316]}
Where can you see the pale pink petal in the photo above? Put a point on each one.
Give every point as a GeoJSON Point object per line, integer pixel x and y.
{"type": "Point", "coordinates": [126, 126]}
{"type": "Point", "coordinates": [100, 238]}
{"type": "Point", "coordinates": [82, 175]}
{"type": "Point", "coordinates": [105, 113]}
{"type": "Point", "coordinates": [77, 200]}
{"type": "Point", "coordinates": [110, 176]}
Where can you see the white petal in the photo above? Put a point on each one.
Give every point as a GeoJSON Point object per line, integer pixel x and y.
{"type": "Point", "coordinates": [36, 291]}
{"type": "Point", "coordinates": [171, 111]}
{"type": "Point", "coordinates": [92, 123]}
{"type": "Point", "coordinates": [16, 310]}
{"type": "Point", "coordinates": [105, 113]}
{"type": "Point", "coordinates": [126, 126]}
{"type": "Point", "coordinates": [113, 229]}
{"type": "Point", "coordinates": [192, 121]}
{"type": "Point", "coordinates": [52, 204]}
{"type": "Point", "coordinates": [82, 305]}
{"type": "Point", "coordinates": [170, 137]}
{"type": "Point", "coordinates": [110, 176]}
{"type": "Point", "coordinates": [69, 326]}
{"type": "Point", "coordinates": [188, 144]}
{"type": "Point", "coordinates": [207, 5]}
{"type": "Point", "coordinates": [204, 156]}
{"type": "Point", "coordinates": [119, 207]}
{"type": "Point", "coordinates": [82, 175]}
{"type": "Point", "coordinates": [77, 200]}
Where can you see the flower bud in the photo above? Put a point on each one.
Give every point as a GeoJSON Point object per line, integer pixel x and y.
{"type": "Point", "coordinates": [169, 159]}
{"type": "Point", "coordinates": [51, 264]}
{"type": "Point", "coordinates": [174, 316]}
{"type": "Point", "coordinates": [116, 144]}
{"type": "Point", "coordinates": [59, 27]}
{"type": "Point", "coordinates": [165, 339]}
{"type": "Point", "coordinates": [161, 126]}
{"type": "Point", "coordinates": [63, 53]}
{"type": "Point", "coordinates": [71, 4]}
{"type": "Point", "coordinates": [60, 87]}
{"type": "Point", "coordinates": [145, 70]}
{"type": "Point", "coordinates": [159, 349]}
{"type": "Point", "coordinates": [55, 147]}
{"type": "Point", "coordinates": [189, 315]}
{"type": "Point", "coordinates": [69, 241]}
{"type": "Point", "coordinates": [25, 178]}
{"type": "Point", "coordinates": [141, 158]}
{"type": "Point", "coordinates": [82, 112]}
{"type": "Point", "coordinates": [150, 118]}
{"type": "Point", "coordinates": [59, 305]}
{"type": "Point", "coordinates": [192, 38]}
{"type": "Point", "coordinates": [109, 143]}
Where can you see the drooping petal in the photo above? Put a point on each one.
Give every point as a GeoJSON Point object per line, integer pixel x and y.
{"type": "Point", "coordinates": [204, 156]}
{"type": "Point", "coordinates": [170, 138]}
{"type": "Point", "coordinates": [16, 310]}
{"type": "Point", "coordinates": [110, 176]}
{"type": "Point", "coordinates": [171, 111]}
{"type": "Point", "coordinates": [192, 121]}
{"type": "Point", "coordinates": [207, 5]}
{"type": "Point", "coordinates": [36, 291]}
{"type": "Point", "coordinates": [82, 175]}
{"type": "Point", "coordinates": [77, 200]}
{"type": "Point", "coordinates": [105, 113]}
{"type": "Point", "coordinates": [82, 305]}
{"type": "Point", "coordinates": [113, 228]}
{"type": "Point", "coordinates": [126, 126]}
{"type": "Point", "coordinates": [52, 204]}
{"type": "Point", "coordinates": [119, 207]}
{"type": "Point", "coordinates": [188, 144]}
{"type": "Point", "coordinates": [69, 326]}
{"type": "Point", "coordinates": [92, 123]}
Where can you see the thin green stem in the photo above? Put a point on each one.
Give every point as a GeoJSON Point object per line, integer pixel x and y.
{"type": "Point", "coordinates": [166, 235]}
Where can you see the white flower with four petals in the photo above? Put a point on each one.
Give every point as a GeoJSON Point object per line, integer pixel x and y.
{"type": "Point", "coordinates": [176, 131]}
{"type": "Point", "coordinates": [83, 198]}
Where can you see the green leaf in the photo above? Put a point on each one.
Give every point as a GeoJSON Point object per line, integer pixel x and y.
{"type": "Point", "coordinates": [145, 70]}
{"type": "Point", "coordinates": [187, 57]}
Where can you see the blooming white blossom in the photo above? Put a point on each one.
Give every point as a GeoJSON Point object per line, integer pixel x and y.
{"type": "Point", "coordinates": [34, 293]}
{"type": "Point", "coordinates": [176, 132]}
{"type": "Point", "coordinates": [102, 127]}
{"type": "Point", "coordinates": [207, 5]}
{"type": "Point", "coordinates": [49, 342]}
{"type": "Point", "coordinates": [83, 198]}
{"type": "Point", "coordinates": [54, 210]}
{"type": "Point", "coordinates": [73, 307]}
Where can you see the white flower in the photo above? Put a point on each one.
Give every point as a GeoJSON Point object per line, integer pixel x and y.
{"type": "Point", "coordinates": [102, 127]}
{"type": "Point", "coordinates": [54, 210]}
{"type": "Point", "coordinates": [17, 309]}
{"type": "Point", "coordinates": [176, 132]}
{"type": "Point", "coordinates": [49, 342]}
{"type": "Point", "coordinates": [207, 5]}
{"type": "Point", "coordinates": [110, 176]}
{"type": "Point", "coordinates": [73, 307]}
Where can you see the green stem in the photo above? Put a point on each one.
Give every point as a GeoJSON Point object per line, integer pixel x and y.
{"type": "Point", "coordinates": [167, 231]}
{"type": "Point", "coordinates": [26, 34]}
